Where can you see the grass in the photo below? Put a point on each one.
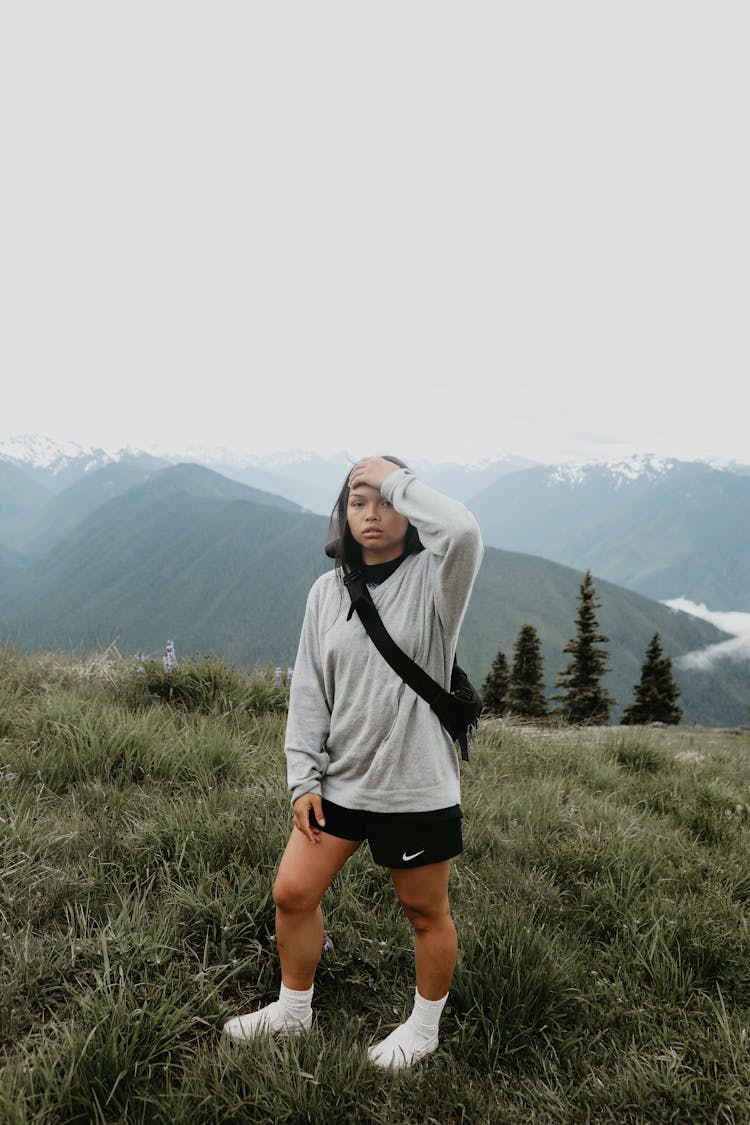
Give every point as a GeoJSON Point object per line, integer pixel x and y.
{"type": "Point", "coordinates": [602, 905]}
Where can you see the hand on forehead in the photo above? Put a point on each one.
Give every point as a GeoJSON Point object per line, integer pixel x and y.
{"type": "Point", "coordinates": [371, 471]}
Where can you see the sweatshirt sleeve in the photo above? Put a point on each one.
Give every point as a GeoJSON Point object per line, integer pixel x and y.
{"type": "Point", "coordinates": [451, 535]}
{"type": "Point", "coordinates": [308, 722]}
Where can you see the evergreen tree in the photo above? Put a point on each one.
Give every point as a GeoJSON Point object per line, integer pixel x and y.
{"type": "Point", "coordinates": [525, 695]}
{"type": "Point", "coordinates": [583, 698]}
{"type": "Point", "coordinates": [495, 687]}
{"type": "Point", "coordinates": [656, 695]}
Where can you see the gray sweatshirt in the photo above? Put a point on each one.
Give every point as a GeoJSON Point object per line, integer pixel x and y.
{"type": "Point", "coordinates": [356, 733]}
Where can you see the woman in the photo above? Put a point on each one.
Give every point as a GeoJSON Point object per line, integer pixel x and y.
{"type": "Point", "coordinates": [367, 758]}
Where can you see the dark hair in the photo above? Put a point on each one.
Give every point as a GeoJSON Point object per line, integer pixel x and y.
{"type": "Point", "coordinates": [341, 544]}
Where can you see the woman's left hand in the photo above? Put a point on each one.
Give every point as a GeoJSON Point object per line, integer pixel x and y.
{"type": "Point", "coordinates": [372, 471]}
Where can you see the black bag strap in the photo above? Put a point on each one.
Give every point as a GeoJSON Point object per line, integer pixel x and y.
{"type": "Point", "coordinates": [416, 677]}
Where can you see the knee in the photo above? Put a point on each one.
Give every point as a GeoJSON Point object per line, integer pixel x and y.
{"type": "Point", "coordinates": [292, 897]}
{"type": "Point", "coordinates": [426, 917]}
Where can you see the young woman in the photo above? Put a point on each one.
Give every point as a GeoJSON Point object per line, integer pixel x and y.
{"type": "Point", "coordinates": [367, 758]}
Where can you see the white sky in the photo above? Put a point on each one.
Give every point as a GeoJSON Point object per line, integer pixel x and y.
{"type": "Point", "coordinates": [446, 230]}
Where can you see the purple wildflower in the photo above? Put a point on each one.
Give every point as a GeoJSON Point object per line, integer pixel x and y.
{"type": "Point", "coordinates": [277, 677]}
{"type": "Point", "coordinates": [289, 674]}
{"type": "Point", "coordinates": [170, 659]}
{"type": "Point", "coordinates": [140, 669]}
{"type": "Point", "coordinates": [327, 943]}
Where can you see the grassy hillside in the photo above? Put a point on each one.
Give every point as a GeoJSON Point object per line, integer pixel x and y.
{"type": "Point", "coordinates": [601, 903]}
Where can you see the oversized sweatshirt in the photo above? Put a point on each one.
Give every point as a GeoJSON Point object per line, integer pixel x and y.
{"type": "Point", "coordinates": [355, 732]}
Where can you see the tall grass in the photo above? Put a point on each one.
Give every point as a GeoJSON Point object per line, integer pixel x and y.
{"type": "Point", "coordinates": [602, 905]}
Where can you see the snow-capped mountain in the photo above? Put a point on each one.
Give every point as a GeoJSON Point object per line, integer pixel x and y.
{"type": "Point", "coordinates": [58, 464]}
{"type": "Point", "coordinates": [39, 452]}
{"type": "Point", "coordinates": [653, 524]}
{"type": "Point", "coordinates": [618, 472]}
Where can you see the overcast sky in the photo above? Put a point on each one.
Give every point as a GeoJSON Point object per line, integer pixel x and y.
{"type": "Point", "coordinates": [443, 230]}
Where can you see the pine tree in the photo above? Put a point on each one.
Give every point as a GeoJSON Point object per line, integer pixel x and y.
{"type": "Point", "coordinates": [495, 687]}
{"type": "Point", "coordinates": [656, 695]}
{"type": "Point", "coordinates": [583, 698]}
{"type": "Point", "coordinates": [525, 695]}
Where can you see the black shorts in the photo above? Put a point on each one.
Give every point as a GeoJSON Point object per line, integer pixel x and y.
{"type": "Point", "coordinates": [398, 839]}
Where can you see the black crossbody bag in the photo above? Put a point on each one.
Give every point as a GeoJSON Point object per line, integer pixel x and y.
{"type": "Point", "coordinates": [458, 709]}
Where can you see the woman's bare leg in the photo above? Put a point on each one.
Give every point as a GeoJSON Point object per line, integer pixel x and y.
{"type": "Point", "coordinates": [306, 870]}
{"type": "Point", "coordinates": [423, 894]}
{"type": "Point", "coordinates": [305, 873]}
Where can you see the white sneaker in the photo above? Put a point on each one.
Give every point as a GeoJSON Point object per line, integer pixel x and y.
{"type": "Point", "coordinates": [266, 1021]}
{"type": "Point", "coordinates": [401, 1048]}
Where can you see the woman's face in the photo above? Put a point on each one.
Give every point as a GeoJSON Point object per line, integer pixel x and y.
{"type": "Point", "coordinates": [375, 525]}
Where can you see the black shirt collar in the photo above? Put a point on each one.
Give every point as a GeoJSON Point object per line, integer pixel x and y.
{"type": "Point", "coordinates": [378, 572]}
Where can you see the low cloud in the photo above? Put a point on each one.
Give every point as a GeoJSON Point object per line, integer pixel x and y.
{"type": "Point", "coordinates": [733, 622]}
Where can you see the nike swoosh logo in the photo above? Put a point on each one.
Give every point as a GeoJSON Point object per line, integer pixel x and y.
{"type": "Point", "coordinates": [406, 857]}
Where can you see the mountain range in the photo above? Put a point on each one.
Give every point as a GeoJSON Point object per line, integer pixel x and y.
{"type": "Point", "coordinates": [311, 481]}
{"type": "Point", "coordinates": [665, 528]}
{"type": "Point", "coordinates": [139, 551]}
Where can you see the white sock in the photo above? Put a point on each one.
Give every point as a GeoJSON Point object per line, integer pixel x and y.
{"type": "Point", "coordinates": [296, 1005]}
{"type": "Point", "coordinates": [411, 1040]}
{"type": "Point", "coordinates": [426, 1014]}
